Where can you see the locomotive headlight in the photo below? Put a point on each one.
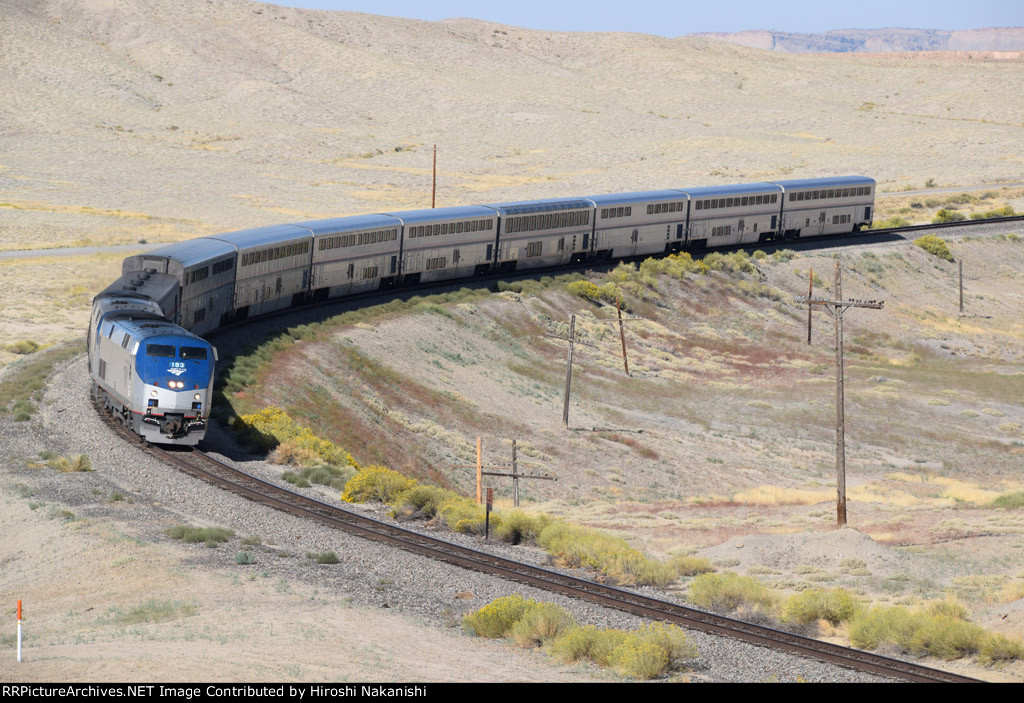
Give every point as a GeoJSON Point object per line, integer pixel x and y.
{"type": "Point", "coordinates": [198, 396]}
{"type": "Point", "coordinates": [153, 394]}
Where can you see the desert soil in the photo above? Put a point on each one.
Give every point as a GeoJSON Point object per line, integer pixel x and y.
{"type": "Point", "coordinates": [163, 120]}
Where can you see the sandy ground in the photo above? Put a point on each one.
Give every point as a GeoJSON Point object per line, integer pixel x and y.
{"type": "Point", "coordinates": [78, 579]}
{"type": "Point", "coordinates": [164, 120]}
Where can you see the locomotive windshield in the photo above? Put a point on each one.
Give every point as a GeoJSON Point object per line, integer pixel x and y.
{"type": "Point", "coordinates": [160, 350]}
{"type": "Point", "coordinates": [193, 352]}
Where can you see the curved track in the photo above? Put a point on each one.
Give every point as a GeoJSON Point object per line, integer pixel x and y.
{"type": "Point", "coordinates": [207, 468]}
{"type": "Point", "coordinates": [222, 475]}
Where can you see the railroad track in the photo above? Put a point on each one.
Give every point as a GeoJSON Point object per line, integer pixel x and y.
{"type": "Point", "coordinates": [207, 468]}
{"type": "Point", "coordinates": [942, 225]}
{"type": "Point", "coordinates": [221, 475]}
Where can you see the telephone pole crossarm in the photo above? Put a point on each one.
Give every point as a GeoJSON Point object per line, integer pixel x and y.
{"type": "Point", "coordinates": [851, 303]}
{"type": "Point", "coordinates": [574, 341]}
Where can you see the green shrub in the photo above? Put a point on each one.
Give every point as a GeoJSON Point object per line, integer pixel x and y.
{"type": "Point", "coordinates": [376, 483]}
{"type": "Point", "coordinates": [997, 648]}
{"type": "Point", "coordinates": [612, 556]}
{"type": "Point", "coordinates": [728, 591]}
{"type": "Point", "coordinates": [324, 475]}
{"type": "Point", "coordinates": [1006, 211]}
{"type": "Point", "coordinates": [650, 651]}
{"type": "Point", "coordinates": [834, 605]}
{"type": "Point", "coordinates": [497, 617]}
{"type": "Point", "coordinates": [323, 557]}
{"type": "Point", "coordinates": [670, 638]}
{"type": "Point", "coordinates": [428, 499]}
{"type": "Point", "coordinates": [66, 464]}
{"type": "Point", "coordinates": [271, 429]}
{"type": "Point", "coordinates": [944, 215]}
{"type": "Point", "coordinates": [539, 624]}
{"type": "Point", "coordinates": [920, 632]}
{"type": "Point", "coordinates": [690, 565]}
{"type": "Point", "coordinates": [933, 245]}
{"type": "Point", "coordinates": [244, 557]}
{"type": "Point", "coordinates": [294, 479]}
{"type": "Point", "coordinates": [645, 653]}
{"type": "Point", "coordinates": [154, 610]}
{"type": "Point", "coordinates": [516, 526]}
{"type": "Point", "coordinates": [1009, 501]}
{"type": "Point", "coordinates": [892, 222]}
{"type": "Point", "coordinates": [948, 608]}
{"type": "Point", "coordinates": [639, 660]}
{"type": "Point", "coordinates": [466, 516]}
{"type": "Point", "coordinates": [584, 289]}
{"type": "Point", "coordinates": [23, 347]}
{"type": "Point", "coordinates": [211, 536]}
{"type": "Point", "coordinates": [574, 645]}
{"type": "Point", "coordinates": [734, 262]}
{"type": "Point", "coordinates": [945, 637]}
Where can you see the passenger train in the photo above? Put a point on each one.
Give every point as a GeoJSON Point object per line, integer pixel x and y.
{"type": "Point", "coordinates": [152, 370]}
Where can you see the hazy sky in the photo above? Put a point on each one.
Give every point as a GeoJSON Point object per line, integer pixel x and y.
{"type": "Point", "coordinates": [672, 19]}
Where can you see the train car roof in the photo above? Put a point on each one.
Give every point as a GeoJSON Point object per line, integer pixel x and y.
{"type": "Point", "coordinates": [524, 207]}
{"type": "Point", "coordinates": [192, 251]}
{"type": "Point", "coordinates": [143, 327]}
{"type": "Point", "coordinates": [726, 190]}
{"type": "Point", "coordinates": [156, 286]}
{"type": "Point", "coordinates": [442, 213]}
{"type": "Point", "coordinates": [637, 197]}
{"type": "Point", "coordinates": [348, 224]}
{"type": "Point", "coordinates": [263, 236]}
{"type": "Point", "coordinates": [826, 182]}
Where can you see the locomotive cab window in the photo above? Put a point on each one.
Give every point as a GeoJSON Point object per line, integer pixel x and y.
{"type": "Point", "coordinates": [193, 352]}
{"type": "Point", "coordinates": [164, 350]}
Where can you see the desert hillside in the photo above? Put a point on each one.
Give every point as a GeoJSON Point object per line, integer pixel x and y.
{"type": "Point", "coordinates": [163, 119]}
{"type": "Point", "coordinates": [130, 121]}
{"type": "Point", "coordinates": [160, 120]}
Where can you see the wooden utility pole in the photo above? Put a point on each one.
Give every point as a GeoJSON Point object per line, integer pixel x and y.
{"type": "Point", "coordinates": [482, 470]}
{"type": "Point", "coordinates": [961, 262]}
{"type": "Point", "coordinates": [433, 196]}
{"type": "Point", "coordinates": [622, 334]}
{"type": "Point", "coordinates": [568, 371]}
{"type": "Point", "coordinates": [479, 466]}
{"type": "Point", "coordinates": [810, 294]}
{"type": "Point", "coordinates": [572, 340]}
{"type": "Point", "coordinates": [837, 308]}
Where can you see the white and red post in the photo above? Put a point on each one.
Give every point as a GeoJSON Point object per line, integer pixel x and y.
{"type": "Point", "coordinates": [19, 630]}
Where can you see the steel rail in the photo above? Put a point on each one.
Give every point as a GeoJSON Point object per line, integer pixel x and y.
{"type": "Point", "coordinates": [267, 493]}
{"type": "Point", "coordinates": [545, 579]}
{"type": "Point", "coordinates": [938, 225]}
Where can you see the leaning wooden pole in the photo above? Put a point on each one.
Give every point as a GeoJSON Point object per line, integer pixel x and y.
{"type": "Point", "coordinates": [810, 294]}
{"type": "Point", "coordinates": [568, 372]}
{"type": "Point", "coordinates": [622, 334]}
{"type": "Point", "coordinates": [479, 469]}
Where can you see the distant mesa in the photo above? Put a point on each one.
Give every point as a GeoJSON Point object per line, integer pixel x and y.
{"type": "Point", "coordinates": [878, 40]}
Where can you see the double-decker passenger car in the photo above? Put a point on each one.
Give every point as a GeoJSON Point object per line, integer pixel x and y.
{"type": "Point", "coordinates": [206, 283]}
